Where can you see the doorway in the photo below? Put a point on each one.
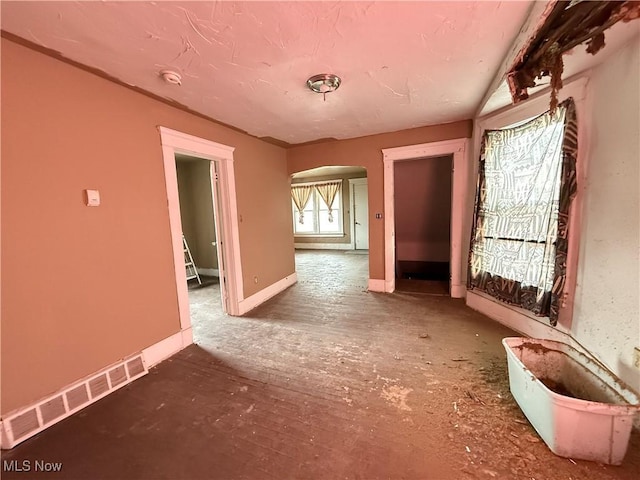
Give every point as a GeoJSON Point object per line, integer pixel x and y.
{"type": "Point", "coordinates": [345, 233]}
{"type": "Point", "coordinates": [459, 201]}
{"type": "Point", "coordinates": [360, 213]}
{"type": "Point", "coordinates": [174, 142]}
{"type": "Point", "coordinates": [196, 192]}
{"type": "Point", "coordinates": [422, 198]}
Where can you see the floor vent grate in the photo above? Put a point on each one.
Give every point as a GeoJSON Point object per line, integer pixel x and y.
{"type": "Point", "coordinates": [26, 422]}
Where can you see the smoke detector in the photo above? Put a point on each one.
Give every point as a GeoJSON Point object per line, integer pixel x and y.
{"type": "Point", "coordinates": [172, 77]}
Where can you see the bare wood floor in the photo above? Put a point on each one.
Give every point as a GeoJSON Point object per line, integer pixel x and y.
{"type": "Point", "coordinates": [324, 381]}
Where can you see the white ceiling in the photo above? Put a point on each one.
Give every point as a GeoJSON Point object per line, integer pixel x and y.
{"type": "Point", "coordinates": [403, 64]}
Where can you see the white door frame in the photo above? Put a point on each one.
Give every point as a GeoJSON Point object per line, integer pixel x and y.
{"type": "Point", "coordinates": [228, 244]}
{"type": "Point", "coordinates": [352, 207]}
{"type": "Point", "coordinates": [218, 223]}
{"type": "Point", "coordinates": [459, 195]}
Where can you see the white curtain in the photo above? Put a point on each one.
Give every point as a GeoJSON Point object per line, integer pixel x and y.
{"type": "Point", "coordinates": [519, 210]}
{"type": "Point", "coordinates": [328, 193]}
{"type": "Point", "coordinates": [301, 195]}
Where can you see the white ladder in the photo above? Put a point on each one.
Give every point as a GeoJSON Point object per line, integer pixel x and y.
{"type": "Point", "coordinates": [189, 264]}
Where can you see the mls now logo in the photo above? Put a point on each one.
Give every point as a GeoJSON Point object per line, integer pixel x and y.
{"type": "Point", "coordinates": [29, 466]}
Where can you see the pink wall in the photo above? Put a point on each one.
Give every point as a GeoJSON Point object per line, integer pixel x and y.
{"type": "Point", "coordinates": [367, 152]}
{"type": "Point", "coordinates": [84, 287]}
{"type": "Point", "coordinates": [423, 209]}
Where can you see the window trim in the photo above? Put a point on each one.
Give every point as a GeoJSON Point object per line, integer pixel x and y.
{"type": "Point", "coordinates": [512, 115]}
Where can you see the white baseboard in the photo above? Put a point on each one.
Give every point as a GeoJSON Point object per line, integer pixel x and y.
{"type": "Point", "coordinates": [209, 272]}
{"type": "Point", "coordinates": [376, 285]}
{"type": "Point", "coordinates": [187, 337]}
{"type": "Point", "coordinates": [324, 246]}
{"type": "Point", "coordinates": [86, 391]}
{"type": "Point", "coordinates": [4, 442]}
{"type": "Point", "coordinates": [25, 422]}
{"type": "Point", "coordinates": [514, 317]}
{"type": "Point", "coordinates": [162, 350]}
{"type": "Point", "coordinates": [265, 294]}
{"type": "Point", "coordinates": [390, 286]}
{"type": "Point", "coordinates": [458, 291]}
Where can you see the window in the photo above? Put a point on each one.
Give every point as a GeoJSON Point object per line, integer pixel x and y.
{"type": "Point", "coordinates": [519, 238]}
{"type": "Point", "coordinates": [317, 218]}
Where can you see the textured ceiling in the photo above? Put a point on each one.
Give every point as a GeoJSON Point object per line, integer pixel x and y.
{"type": "Point", "coordinates": [403, 64]}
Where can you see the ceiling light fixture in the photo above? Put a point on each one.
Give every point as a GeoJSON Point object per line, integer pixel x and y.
{"type": "Point", "coordinates": [324, 83]}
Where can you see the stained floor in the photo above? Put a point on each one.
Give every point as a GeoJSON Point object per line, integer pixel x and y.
{"type": "Point", "coordinates": [324, 381]}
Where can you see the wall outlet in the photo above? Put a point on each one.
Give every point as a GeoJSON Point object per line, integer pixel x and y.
{"type": "Point", "coordinates": [636, 357]}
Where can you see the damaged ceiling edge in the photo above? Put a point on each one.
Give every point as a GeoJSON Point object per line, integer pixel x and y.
{"type": "Point", "coordinates": [580, 78]}
{"type": "Point", "coordinates": [536, 17]}
{"type": "Point", "coordinates": [567, 26]}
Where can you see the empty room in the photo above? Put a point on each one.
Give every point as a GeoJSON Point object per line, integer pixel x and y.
{"type": "Point", "coordinates": [320, 240]}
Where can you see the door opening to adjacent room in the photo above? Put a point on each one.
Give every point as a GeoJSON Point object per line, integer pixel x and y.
{"type": "Point", "coordinates": [422, 198]}
{"type": "Point", "coordinates": [220, 158]}
{"type": "Point", "coordinates": [329, 207]}
{"type": "Point", "coordinates": [455, 150]}
{"type": "Point", "coordinates": [198, 200]}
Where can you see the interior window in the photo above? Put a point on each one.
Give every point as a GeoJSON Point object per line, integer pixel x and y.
{"type": "Point", "coordinates": [526, 181]}
{"type": "Point", "coordinates": [317, 217]}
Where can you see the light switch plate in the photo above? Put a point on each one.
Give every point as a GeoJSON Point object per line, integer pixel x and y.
{"type": "Point", "coordinates": [93, 198]}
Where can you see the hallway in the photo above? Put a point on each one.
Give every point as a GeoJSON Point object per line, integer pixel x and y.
{"type": "Point", "coordinates": [324, 381]}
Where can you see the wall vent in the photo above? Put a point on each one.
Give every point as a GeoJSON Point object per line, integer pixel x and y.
{"type": "Point", "coordinates": [77, 396]}
{"type": "Point", "coordinates": [52, 409]}
{"type": "Point", "coordinates": [98, 385]}
{"type": "Point", "coordinates": [118, 375]}
{"type": "Point", "coordinates": [26, 422]}
{"type": "Point", "coordinates": [135, 367]}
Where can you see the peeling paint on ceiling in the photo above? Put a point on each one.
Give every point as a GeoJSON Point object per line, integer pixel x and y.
{"type": "Point", "coordinates": [403, 64]}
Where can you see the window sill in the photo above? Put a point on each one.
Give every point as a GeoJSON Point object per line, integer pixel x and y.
{"type": "Point", "coordinates": [319, 235]}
